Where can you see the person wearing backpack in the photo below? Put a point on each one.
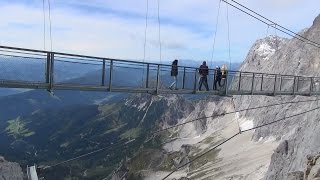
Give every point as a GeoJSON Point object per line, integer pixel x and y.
{"type": "Point", "coordinates": [203, 72]}
{"type": "Point", "coordinates": [217, 78]}
{"type": "Point", "coordinates": [174, 74]}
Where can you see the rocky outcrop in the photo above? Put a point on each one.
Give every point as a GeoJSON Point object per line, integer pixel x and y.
{"type": "Point", "coordinates": [298, 136]}
{"type": "Point", "coordinates": [312, 171]}
{"type": "Point", "coordinates": [10, 170]}
{"type": "Point", "coordinates": [248, 156]}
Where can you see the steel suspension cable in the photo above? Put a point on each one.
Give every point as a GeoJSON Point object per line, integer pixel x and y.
{"type": "Point", "coordinates": [194, 159]}
{"type": "Point", "coordinates": [229, 38]}
{"type": "Point", "coordinates": [235, 135]}
{"type": "Point", "coordinates": [296, 34]}
{"type": "Point", "coordinates": [44, 25]}
{"type": "Point", "coordinates": [215, 34]}
{"type": "Point", "coordinates": [92, 152]}
{"type": "Point", "coordinates": [145, 39]}
{"type": "Point", "coordinates": [50, 24]}
{"type": "Point", "coordinates": [280, 29]}
{"type": "Point", "coordinates": [232, 112]}
{"type": "Point", "coordinates": [127, 142]}
{"type": "Point", "coordinates": [159, 25]}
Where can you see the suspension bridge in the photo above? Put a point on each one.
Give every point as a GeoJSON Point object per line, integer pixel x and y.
{"type": "Point", "coordinates": [150, 78]}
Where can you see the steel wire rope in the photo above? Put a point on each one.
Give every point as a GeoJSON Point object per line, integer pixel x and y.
{"type": "Point", "coordinates": [194, 159]}
{"type": "Point", "coordinates": [91, 152]}
{"type": "Point", "coordinates": [159, 30]}
{"type": "Point", "coordinates": [239, 133]}
{"type": "Point", "coordinates": [74, 62]}
{"type": "Point", "coordinates": [260, 19]}
{"type": "Point", "coordinates": [145, 40]}
{"type": "Point", "coordinates": [275, 23]}
{"type": "Point", "coordinates": [215, 35]}
{"type": "Point", "coordinates": [17, 52]}
{"type": "Point", "coordinates": [160, 44]}
{"type": "Point", "coordinates": [282, 30]}
{"type": "Point", "coordinates": [282, 119]}
{"type": "Point", "coordinates": [228, 23]}
{"type": "Point", "coordinates": [44, 24]}
{"type": "Point", "coordinates": [232, 112]}
{"type": "Point", "coordinates": [156, 132]}
{"type": "Point", "coordinates": [23, 57]}
{"type": "Point", "coordinates": [50, 22]}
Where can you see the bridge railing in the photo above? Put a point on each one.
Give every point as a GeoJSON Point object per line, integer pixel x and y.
{"type": "Point", "coordinates": [27, 68]}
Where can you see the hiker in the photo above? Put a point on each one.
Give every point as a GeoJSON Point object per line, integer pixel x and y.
{"type": "Point", "coordinates": [174, 74]}
{"type": "Point", "coordinates": [217, 77]}
{"type": "Point", "coordinates": [203, 71]}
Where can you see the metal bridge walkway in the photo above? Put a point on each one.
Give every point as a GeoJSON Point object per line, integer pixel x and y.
{"type": "Point", "coordinates": [62, 71]}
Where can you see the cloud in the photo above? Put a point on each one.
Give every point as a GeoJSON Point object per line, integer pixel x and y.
{"type": "Point", "coordinates": [116, 28]}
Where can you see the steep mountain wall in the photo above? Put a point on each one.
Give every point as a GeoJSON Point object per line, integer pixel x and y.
{"type": "Point", "coordinates": [299, 136]}
{"type": "Point", "coordinates": [275, 152]}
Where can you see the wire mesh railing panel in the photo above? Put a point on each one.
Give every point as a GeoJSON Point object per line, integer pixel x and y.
{"type": "Point", "coordinates": [128, 74]}
{"type": "Point", "coordinates": [303, 84]}
{"type": "Point", "coordinates": [257, 82]}
{"type": "Point", "coordinates": [234, 79]}
{"type": "Point", "coordinates": [286, 84]}
{"type": "Point", "coordinates": [77, 72]}
{"type": "Point", "coordinates": [152, 77]}
{"type": "Point", "coordinates": [165, 77]}
{"type": "Point", "coordinates": [16, 66]}
{"type": "Point", "coordinates": [190, 79]}
{"type": "Point", "coordinates": [246, 81]}
{"type": "Point", "coordinates": [268, 83]}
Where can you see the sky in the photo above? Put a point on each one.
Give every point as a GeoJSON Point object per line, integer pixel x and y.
{"type": "Point", "coordinates": [116, 28]}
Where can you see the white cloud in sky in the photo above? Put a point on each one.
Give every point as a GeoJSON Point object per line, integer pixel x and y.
{"type": "Point", "coordinates": [116, 28]}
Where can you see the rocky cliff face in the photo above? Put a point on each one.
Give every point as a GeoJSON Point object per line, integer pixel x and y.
{"type": "Point", "coordinates": [10, 170]}
{"type": "Point", "coordinates": [275, 152]}
{"type": "Point", "coordinates": [299, 136]}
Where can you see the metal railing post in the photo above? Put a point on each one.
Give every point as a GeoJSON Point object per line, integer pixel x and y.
{"type": "Point", "coordinates": [311, 86]}
{"type": "Point", "coordinates": [48, 68]}
{"type": "Point", "coordinates": [147, 78]}
{"type": "Point", "coordinates": [239, 86]}
{"type": "Point", "coordinates": [214, 77]}
{"type": "Point", "coordinates": [298, 83]}
{"type": "Point", "coordinates": [226, 83]}
{"type": "Point", "coordinates": [261, 88]}
{"type": "Point", "coordinates": [280, 88]}
{"type": "Point", "coordinates": [158, 79]}
{"type": "Point", "coordinates": [110, 75]}
{"type": "Point", "coordinates": [294, 86]}
{"type": "Point", "coordinates": [252, 83]}
{"type": "Point", "coordinates": [103, 72]}
{"type": "Point", "coordinates": [195, 82]}
{"type": "Point", "coordinates": [51, 71]}
{"type": "Point", "coordinates": [275, 84]}
{"type": "Point", "coordinates": [184, 78]}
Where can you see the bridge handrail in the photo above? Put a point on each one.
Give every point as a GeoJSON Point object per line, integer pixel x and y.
{"type": "Point", "coordinates": [236, 77]}
{"type": "Point", "coordinates": [136, 62]}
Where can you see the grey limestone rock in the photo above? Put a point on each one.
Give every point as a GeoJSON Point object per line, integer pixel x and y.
{"type": "Point", "coordinates": [298, 175]}
{"type": "Point", "coordinates": [10, 170]}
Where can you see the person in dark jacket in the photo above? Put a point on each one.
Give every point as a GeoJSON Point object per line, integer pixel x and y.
{"type": "Point", "coordinates": [174, 74]}
{"type": "Point", "coordinates": [217, 77]}
{"type": "Point", "coordinates": [203, 71]}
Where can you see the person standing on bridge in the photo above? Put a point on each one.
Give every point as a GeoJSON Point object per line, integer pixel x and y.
{"type": "Point", "coordinates": [174, 74]}
{"type": "Point", "coordinates": [203, 71]}
{"type": "Point", "coordinates": [217, 77]}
